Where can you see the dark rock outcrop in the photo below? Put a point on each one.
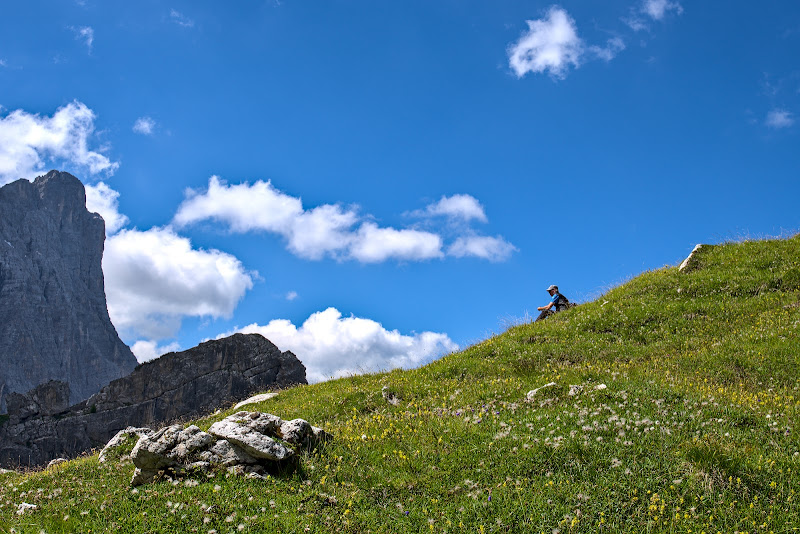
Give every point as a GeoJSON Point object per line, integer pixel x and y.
{"type": "Point", "coordinates": [54, 322]}
{"type": "Point", "coordinates": [175, 386]}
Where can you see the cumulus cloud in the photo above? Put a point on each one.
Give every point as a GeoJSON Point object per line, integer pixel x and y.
{"type": "Point", "coordinates": [494, 249]}
{"type": "Point", "coordinates": [243, 207]}
{"type": "Point", "coordinates": [144, 126]}
{"type": "Point", "coordinates": [330, 345]}
{"type": "Point", "coordinates": [657, 9]}
{"type": "Point", "coordinates": [551, 45]}
{"type": "Point", "coordinates": [154, 278]}
{"type": "Point", "coordinates": [84, 34]}
{"type": "Point", "coordinates": [146, 350]}
{"type": "Point", "coordinates": [458, 207]}
{"type": "Point", "coordinates": [332, 230]}
{"type": "Point", "coordinates": [28, 141]}
{"type": "Point", "coordinates": [327, 230]}
{"type": "Point", "coordinates": [779, 118]}
{"type": "Point", "coordinates": [180, 19]}
{"type": "Point", "coordinates": [372, 244]}
{"type": "Point", "coordinates": [103, 200]}
{"type": "Point", "coordinates": [324, 230]}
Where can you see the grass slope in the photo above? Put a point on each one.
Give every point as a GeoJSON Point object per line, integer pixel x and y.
{"type": "Point", "coordinates": [694, 432]}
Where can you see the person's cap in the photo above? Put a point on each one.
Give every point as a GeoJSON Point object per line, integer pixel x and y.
{"type": "Point", "coordinates": [551, 288]}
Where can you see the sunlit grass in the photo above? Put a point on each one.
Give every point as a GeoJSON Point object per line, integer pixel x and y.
{"type": "Point", "coordinates": [694, 430]}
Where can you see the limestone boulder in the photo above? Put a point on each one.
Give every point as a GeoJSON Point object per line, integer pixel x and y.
{"type": "Point", "coordinates": [120, 439]}
{"type": "Point", "coordinates": [251, 431]}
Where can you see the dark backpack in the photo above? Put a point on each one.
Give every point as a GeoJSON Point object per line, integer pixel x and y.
{"type": "Point", "coordinates": [563, 303]}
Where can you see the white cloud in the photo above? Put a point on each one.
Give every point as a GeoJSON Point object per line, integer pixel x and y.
{"type": "Point", "coordinates": [550, 44]}
{"type": "Point", "coordinates": [28, 141]}
{"type": "Point", "coordinates": [657, 9]}
{"type": "Point", "coordinates": [330, 345]}
{"type": "Point", "coordinates": [103, 200]}
{"type": "Point", "coordinates": [331, 230]}
{"type": "Point", "coordinates": [180, 19]}
{"type": "Point", "coordinates": [154, 278]}
{"type": "Point", "coordinates": [373, 244]}
{"type": "Point", "coordinates": [779, 118]}
{"type": "Point", "coordinates": [243, 207]}
{"type": "Point", "coordinates": [291, 295]}
{"type": "Point", "coordinates": [144, 126]}
{"type": "Point", "coordinates": [489, 248]}
{"type": "Point", "coordinates": [85, 34]}
{"type": "Point", "coordinates": [145, 350]}
{"type": "Point", "coordinates": [614, 46]}
{"type": "Point", "coordinates": [3, 63]}
{"type": "Point", "coordinates": [458, 207]}
{"type": "Point", "coordinates": [327, 230]}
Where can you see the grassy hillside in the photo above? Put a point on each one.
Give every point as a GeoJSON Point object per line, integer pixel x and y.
{"type": "Point", "coordinates": [693, 432]}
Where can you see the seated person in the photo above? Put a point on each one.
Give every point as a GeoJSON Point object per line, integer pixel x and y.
{"type": "Point", "coordinates": [557, 301]}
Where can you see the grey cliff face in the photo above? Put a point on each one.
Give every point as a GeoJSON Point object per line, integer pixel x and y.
{"type": "Point", "coordinates": [175, 386]}
{"type": "Point", "coordinates": [54, 321]}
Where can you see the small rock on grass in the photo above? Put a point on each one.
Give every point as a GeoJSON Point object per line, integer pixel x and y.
{"type": "Point", "coordinates": [120, 438]}
{"type": "Point", "coordinates": [532, 393]}
{"type": "Point", "coordinates": [56, 462]}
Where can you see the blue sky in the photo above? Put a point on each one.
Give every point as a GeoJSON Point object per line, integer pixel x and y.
{"type": "Point", "coordinates": [371, 183]}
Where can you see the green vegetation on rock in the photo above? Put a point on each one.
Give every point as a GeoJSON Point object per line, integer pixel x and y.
{"type": "Point", "coordinates": [683, 421]}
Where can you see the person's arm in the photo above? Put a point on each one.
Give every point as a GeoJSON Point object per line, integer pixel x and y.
{"type": "Point", "coordinates": [543, 308]}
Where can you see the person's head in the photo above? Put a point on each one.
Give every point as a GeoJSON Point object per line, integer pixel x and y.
{"type": "Point", "coordinates": [552, 290]}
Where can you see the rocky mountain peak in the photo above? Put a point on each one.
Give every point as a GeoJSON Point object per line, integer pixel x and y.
{"type": "Point", "coordinates": [54, 321]}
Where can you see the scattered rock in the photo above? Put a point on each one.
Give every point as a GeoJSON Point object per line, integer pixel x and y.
{"type": "Point", "coordinates": [251, 431]}
{"type": "Point", "coordinates": [153, 452]}
{"type": "Point", "coordinates": [390, 396]}
{"type": "Point", "coordinates": [532, 393]}
{"type": "Point", "coordinates": [255, 398]}
{"type": "Point", "coordinates": [296, 431]}
{"type": "Point", "coordinates": [245, 443]}
{"type": "Point", "coordinates": [574, 389]}
{"type": "Point", "coordinates": [120, 438]}
{"type": "Point", "coordinates": [56, 462]}
{"type": "Point", "coordinates": [227, 454]}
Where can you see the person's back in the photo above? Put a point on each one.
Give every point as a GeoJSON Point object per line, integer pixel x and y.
{"type": "Point", "coordinates": [562, 303]}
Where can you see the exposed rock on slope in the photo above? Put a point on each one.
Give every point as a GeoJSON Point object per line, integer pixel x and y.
{"type": "Point", "coordinates": [54, 321]}
{"type": "Point", "coordinates": [174, 386]}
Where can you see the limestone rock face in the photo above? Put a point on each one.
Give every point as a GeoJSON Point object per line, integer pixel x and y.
{"type": "Point", "coordinates": [199, 380]}
{"type": "Point", "coordinates": [54, 321]}
{"type": "Point", "coordinates": [46, 399]}
{"type": "Point", "coordinates": [175, 386]}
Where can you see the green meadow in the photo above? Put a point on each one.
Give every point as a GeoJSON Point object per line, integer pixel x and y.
{"type": "Point", "coordinates": [674, 409]}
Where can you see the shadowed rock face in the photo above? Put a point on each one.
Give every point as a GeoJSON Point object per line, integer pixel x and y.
{"type": "Point", "coordinates": [175, 386]}
{"type": "Point", "coordinates": [54, 322]}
